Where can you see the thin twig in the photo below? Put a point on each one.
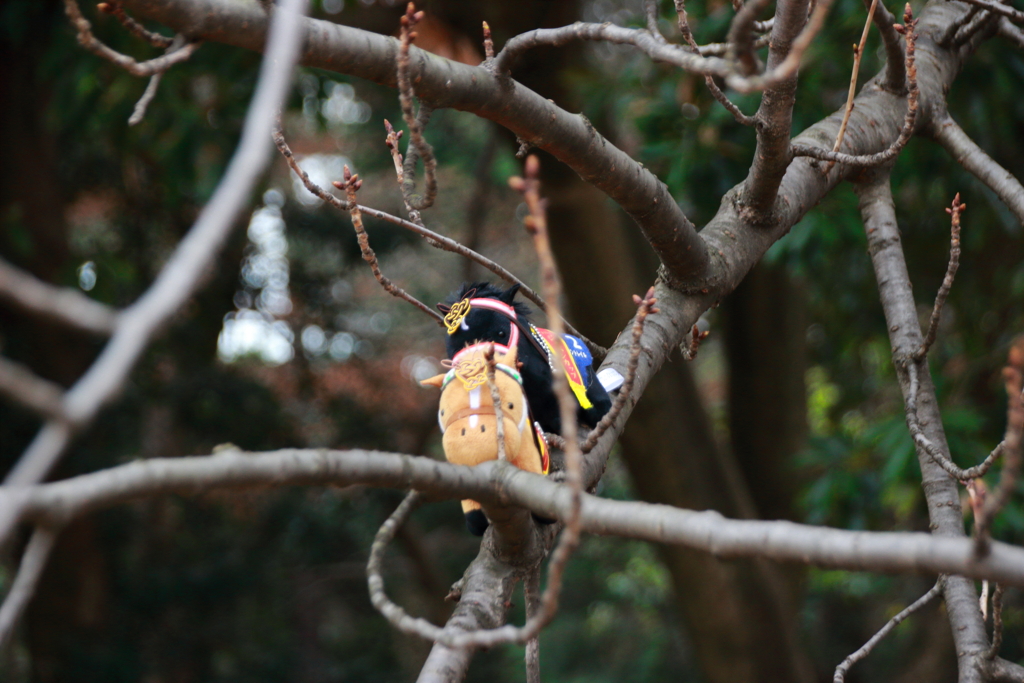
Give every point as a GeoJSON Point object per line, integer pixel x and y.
{"type": "Point", "coordinates": [947, 281]}
{"type": "Point", "coordinates": [33, 562]}
{"type": "Point", "coordinates": [997, 621]}
{"type": "Point", "coordinates": [496, 401]}
{"type": "Point", "coordinates": [981, 20]}
{"type": "Point", "coordinates": [418, 147]}
{"type": "Point", "coordinates": [434, 239]}
{"type": "Point", "coordinates": [722, 49]}
{"type": "Point", "coordinates": [134, 27]}
{"type": "Point", "coordinates": [858, 52]}
{"type": "Point", "coordinates": [645, 306]}
{"type": "Point", "coordinates": [1013, 377]}
{"type": "Point", "coordinates": [60, 304]}
{"type": "Point", "coordinates": [909, 120]}
{"type": "Point", "coordinates": [87, 40]}
{"type": "Point", "coordinates": [914, 425]}
{"type": "Point", "coordinates": [741, 37]}
{"type": "Point", "coordinates": [351, 185]}
{"type": "Point", "coordinates": [154, 84]}
{"type": "Point", "coordinates": [651, 12]}
{"type": "Point", "coordinates": [696, 337]}
{"type": "Point", "coordinates": [20, 384]}
{"type": "Point", "coordinates": [716, 92]}
{"type": "Point", "coordinates": [536, 225]}
{"type": "Point", "coordinates": [148, 94]}
{"type": "Point", "coordinates": [867, 647]}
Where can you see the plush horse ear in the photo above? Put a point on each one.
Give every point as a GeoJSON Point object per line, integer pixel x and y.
{"type": "Point", "coordinates": [509, 294]}
{"type": "Point", "coordinates": [435, 381]}
{"type": "Point", "coordinates": [510, 357]}
{"type": "Point", "coordinates": [444, 308]}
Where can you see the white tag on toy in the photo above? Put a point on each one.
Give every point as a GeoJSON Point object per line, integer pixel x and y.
{"type": "Point", "coordinates": [611, 379]}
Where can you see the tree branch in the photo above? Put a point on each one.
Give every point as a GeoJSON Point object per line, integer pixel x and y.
{"type": "Point", "coordinates": [968, 154]}
{"type": "Point", "coordinates": [941, 493]}
{"type": "Point", "coordinates": [33, 562]}
{"type": "Point", "coordinates": [866, 648]}
{"type": "Point", "coordinates": [23, 386]}
{"type": "Point", "coordinates": [497, 483]}
{"type": "Point", "coordinates": [59, 304]}
{"type": "Point", "coordinates": [187, 267]}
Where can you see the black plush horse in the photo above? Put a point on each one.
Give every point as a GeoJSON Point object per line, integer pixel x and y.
{"type": "Point", "coordinates": [473, 318]}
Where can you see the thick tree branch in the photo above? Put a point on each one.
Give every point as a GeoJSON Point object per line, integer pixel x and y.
{"type": "Point", "coordinates": [60, 304]}
{"type": "Point", "coordinates": [443, 83]}
{"type": "Point", "coordinates": [941, 493]}
{"type": "Point", "coordinates": [775, 115]}
{"type": "Point", "coordinates": [504, 484]}
{"type": "Point", "coordinates": [968, 154]}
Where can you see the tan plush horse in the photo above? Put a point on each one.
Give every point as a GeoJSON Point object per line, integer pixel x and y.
{"type": "Point", "coordinates": [469, 422]}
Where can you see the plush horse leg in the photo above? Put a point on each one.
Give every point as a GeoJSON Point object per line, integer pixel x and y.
{"type": "Point", "coordinates": [476, 520]}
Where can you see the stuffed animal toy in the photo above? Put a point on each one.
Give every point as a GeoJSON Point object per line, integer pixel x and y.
{"type": "Point", "coordinates": [469, 422]}
{"type": "Point", "coordinates": [480, 311]}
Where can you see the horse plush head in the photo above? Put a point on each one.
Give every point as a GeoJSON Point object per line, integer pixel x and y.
{"type": "Point", "coordinates": [469, 421]}
{"type": "Point", "coordinates": [480, 311]}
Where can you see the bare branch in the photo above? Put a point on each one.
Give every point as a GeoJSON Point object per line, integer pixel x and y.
{"type": "Point", "coordinates": [60, 304]}
{"type": "Point", "coordinates": [716, 92]}
{"type": "Point", "coordinates": [997, 8]}
{"type": "Point", "coordinates": [187, 266]}
{"type": "Point", "coordinates": [658, 50]}
{"type": "Point", "coordinates": [909, 120]}
{"type": "Point", "coordinates": [858, 52]}
{"type": "Point", "coordinates": [741, 36]}
{"type": "Point", "coordinates": [136, 29]}
{"type": "Point", "coordinates": [87, 40]}
{"type": "Point", "coordinates": [722, 49]}
{"type": "Point", "coordinates": [929, 447]}
{"type": "Point", "coordinates": [940, 490]}
{"type": "Point", "coordinates": [434, 239]}
{"type": "Point", "coordinates": [651, 14]}
{"type": "Point", "coordinates": [23, 386]}
{"type": "Point", "coordinates": [1001, 671]}
{"type": "Point", "coordinates": [895, 76]}
{"type": "Point", "coordinates": [33, 562]}
{"type": "Point", "coordinates": [867, 647]}
{"type": "Point", "coordinates": [1012, 33]}
{"type": "Point", "coordinates": [504, 484]}
{"type": "Point", "coordinates": [961, 147]}
{"type": "Point", "coordinates": [418, 147]}
{"type": "Point", "coordinates": [351, 185]}
{"type": "Point", "coordinates": [154, 81]}
{"type": "Point", "coordinates": [947, 281]}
